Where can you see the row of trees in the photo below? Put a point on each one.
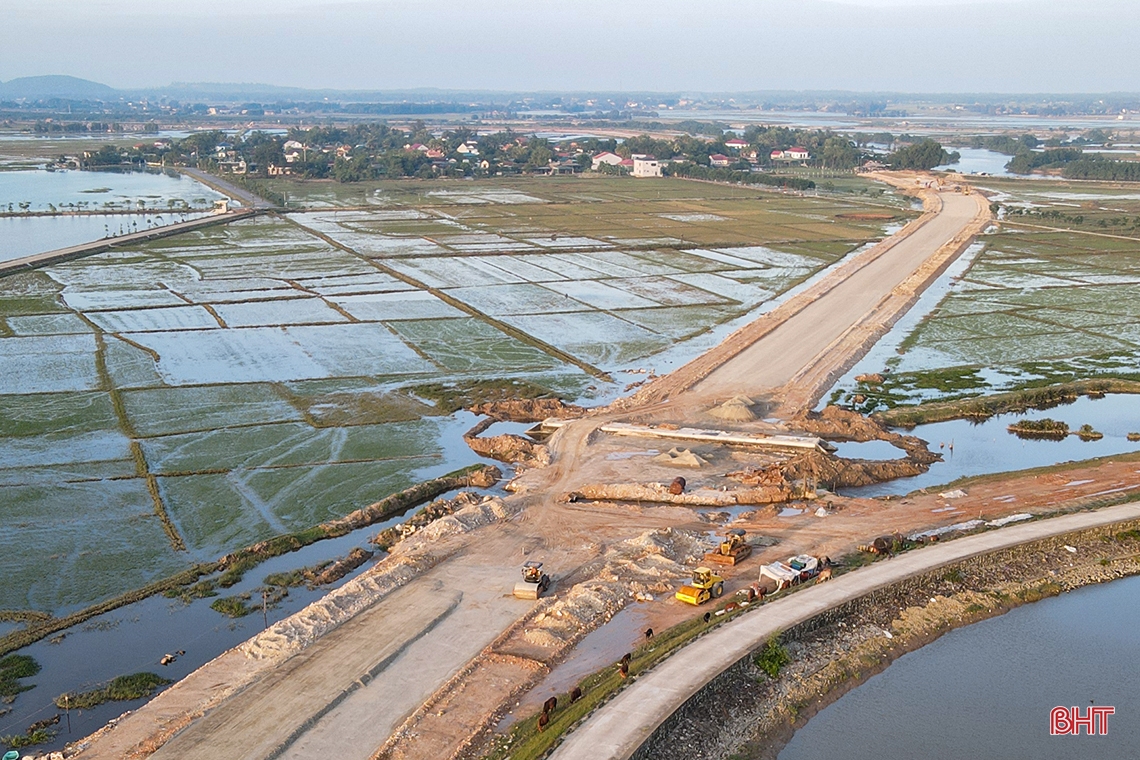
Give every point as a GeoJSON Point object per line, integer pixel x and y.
{"type": "Point", "coordinates": [696, 171]}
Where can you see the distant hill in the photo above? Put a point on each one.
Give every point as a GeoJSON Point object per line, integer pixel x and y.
{"type": "Point", "coordinates": [42, 88]}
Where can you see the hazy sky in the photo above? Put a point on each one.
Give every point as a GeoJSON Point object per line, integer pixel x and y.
{"type": "Point", "coordinates": [664, 45]}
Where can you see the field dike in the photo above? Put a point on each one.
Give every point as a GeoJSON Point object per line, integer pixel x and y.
{"type": "Point", "coordinates": [744, 713]}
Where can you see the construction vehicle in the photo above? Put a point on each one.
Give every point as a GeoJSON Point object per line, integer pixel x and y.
{"type": "Point", "coordinates": [534, 581]}
{"type": "Point", "coordinates": [705, 585]}
{"type": "Point", "coordinates": [732, 549]}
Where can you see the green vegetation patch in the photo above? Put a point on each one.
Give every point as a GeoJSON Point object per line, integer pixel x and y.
{"type": "Point", "coordinates": [121, 689]}
{"type": "Point", "coordinates": [13, 670]}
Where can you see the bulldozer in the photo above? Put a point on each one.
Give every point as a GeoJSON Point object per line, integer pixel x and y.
{"type": "Point", "coordinates": [534, 581]}
{"type": "Point", "coordinates": [732, 549]}
{"type": "Point", "coordinates": [705, 585]}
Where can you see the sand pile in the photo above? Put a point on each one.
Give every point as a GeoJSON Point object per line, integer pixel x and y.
{"type": "Point", "coordinates": [680, 458]}
{"type": "Point", "coordinates": [736, 409]}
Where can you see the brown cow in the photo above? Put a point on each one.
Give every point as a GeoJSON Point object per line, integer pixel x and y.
{"type": "Point", "coordinates": [576, 694]}
{"type": "Point", "coordinates": [624, 669]}
{"type": "Point", "coordinates": [550, 705]}
{"type": "Point", "coordinates": [677, 487]}
{"type": "Point", "coordinates": [543, 720]}
{"type": "Point", "coordinates": [824, 575]}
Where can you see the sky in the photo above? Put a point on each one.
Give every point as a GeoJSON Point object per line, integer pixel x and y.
{"type": "Point", "coordinates": [1006, 46]}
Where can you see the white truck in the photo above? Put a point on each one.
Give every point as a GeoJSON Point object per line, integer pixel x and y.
{"type": "Point", "coordinates": [798, 568]}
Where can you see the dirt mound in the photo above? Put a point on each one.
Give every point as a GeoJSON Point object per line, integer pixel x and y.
{"type": "Point", "coordinates": [637, 568]}
{"type": "Point", "coordinates": [490, 509]}
{"type": "Point", "coordinates": [837, 424]}
{"type": "Point", "coordinates": [836, 472]}
{"type": "Point", "coordinates": [658, 493]}
{"type": "Point", "coordinates": [510, 448]}
{"type": "Point", "coordinates": [528, 410]}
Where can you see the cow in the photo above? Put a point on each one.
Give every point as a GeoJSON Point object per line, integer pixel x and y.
{"type": "Point", "coordinates": [576, 694]}
{"type": "Point", "coordinates": [543, 720]}
{"type": "Point", "coordinates": [824, 575]}
{"type": "Point", "coordinates": [648, 634]}
{"type": "Point", "coordinates": [550, 705]}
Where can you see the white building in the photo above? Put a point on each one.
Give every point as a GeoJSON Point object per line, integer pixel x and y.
{"type": "Point", "coordinates": [646, 167]}
{"type": "Point", "coordinates": [605, 157]}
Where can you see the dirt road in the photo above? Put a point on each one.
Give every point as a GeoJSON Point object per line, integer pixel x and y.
{"type": "Point", "coordinates": [775, 359]}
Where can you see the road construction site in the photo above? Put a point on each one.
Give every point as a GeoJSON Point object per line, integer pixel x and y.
{"type": "Point", "coordinates": [426, 654]}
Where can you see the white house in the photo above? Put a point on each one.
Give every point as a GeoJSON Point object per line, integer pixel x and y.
{"type": "Point", "coordinates": [719, 159]}
{"type": "Point", "coordinates": [797, 154]}
{"type": "Point", "coordinates": [735, 144]}
{"type": "Point", "coordinates": [646, 167]}
{"type": "Point", "coordinates": [466, 149]}
{"type": "Point", "coordinates": [605, 157]}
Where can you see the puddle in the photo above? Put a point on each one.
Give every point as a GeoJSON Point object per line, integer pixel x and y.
{"type": "Point", "coordinates": [622, 455]}
{"type": "Point", "coordinates": [790, 512]}
{"type": "Point", "coordinates": [873, 450]}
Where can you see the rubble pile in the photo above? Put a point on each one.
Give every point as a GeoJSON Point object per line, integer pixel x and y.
{"type": "Point", "coordinates": [635, 569]}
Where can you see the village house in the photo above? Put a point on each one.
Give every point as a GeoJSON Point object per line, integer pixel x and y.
{"type": "Point", "coordinates": [735, 144]}
{"type": "Point", "coordinates": [791, 154]}
{"type": "Point", "coordinates": [279, 171]}
{"type": "Point", "coordinates": [719, 159]}
{"type": "Point", "coordinates": [646, 166]}
{"type": "Point", "coordinates": [605, 157]}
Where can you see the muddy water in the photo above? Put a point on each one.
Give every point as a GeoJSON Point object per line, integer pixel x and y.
{"type": "Point", "coordinates": [988, 447]}
{"type": "Point", "coordinates": [985, 691]}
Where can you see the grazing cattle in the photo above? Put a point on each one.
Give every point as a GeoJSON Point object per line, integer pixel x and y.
{"type": "Point", "coordinates": [708, 616]}
{"type": "Point", "coordinates": [625, 658]}
{"type": "Point", "coordinates": [576, 694]}
{"type": "Point", "coordinates": [624, 669]}
{"type": "Point", "coordinates": [543, 720]}
{"type": "Point", "coordinates": [824, 575]}
{"type": "Point", "coordinates": [731, 607]}
{"type": "Point", "coordinates": [677, 487]}
{"type": "Point", "coordinates": [648, 634]}
{"type": "Point", "coordinates": [550, 705]}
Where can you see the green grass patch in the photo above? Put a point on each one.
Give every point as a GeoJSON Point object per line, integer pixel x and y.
{"type": "Point", "coordinates": [121, 689]}
{"type": "Point", "coordinates": [449, 398]}
{"type": "Point", "coordinates": [233, 606]}
{"type": "Point", "coordinates": [13, 669]}
{"type": "Point", "coordinates": [772, 657]}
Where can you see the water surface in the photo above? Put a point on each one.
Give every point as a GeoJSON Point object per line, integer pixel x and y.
{"type": "Point", "coordinates": [985, 691]}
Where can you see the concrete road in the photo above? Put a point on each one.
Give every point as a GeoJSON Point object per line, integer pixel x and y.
{"type": "Point", "coordinates": [776, 358]}
{"type": "Point", "coordinates": [342, 696]}
{"type": "Point", "coordinates": [243, 196]}
{"type": "Point", "coordinates": [624, 724]}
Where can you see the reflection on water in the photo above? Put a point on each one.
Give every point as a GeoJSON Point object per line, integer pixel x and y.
{"type": "Point", "coordinates": [988, 447]}
{"type": "Point", "coordinates": [985, 691]}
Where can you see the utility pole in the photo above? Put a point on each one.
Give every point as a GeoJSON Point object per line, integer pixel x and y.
{"type": "Point", "coordinates": [67, 709]}
{"type": "Point", "coordinates": [265, 607]}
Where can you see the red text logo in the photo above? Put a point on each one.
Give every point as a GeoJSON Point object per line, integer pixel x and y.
{"type": "Point", "coordinates": [1067, 721]}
